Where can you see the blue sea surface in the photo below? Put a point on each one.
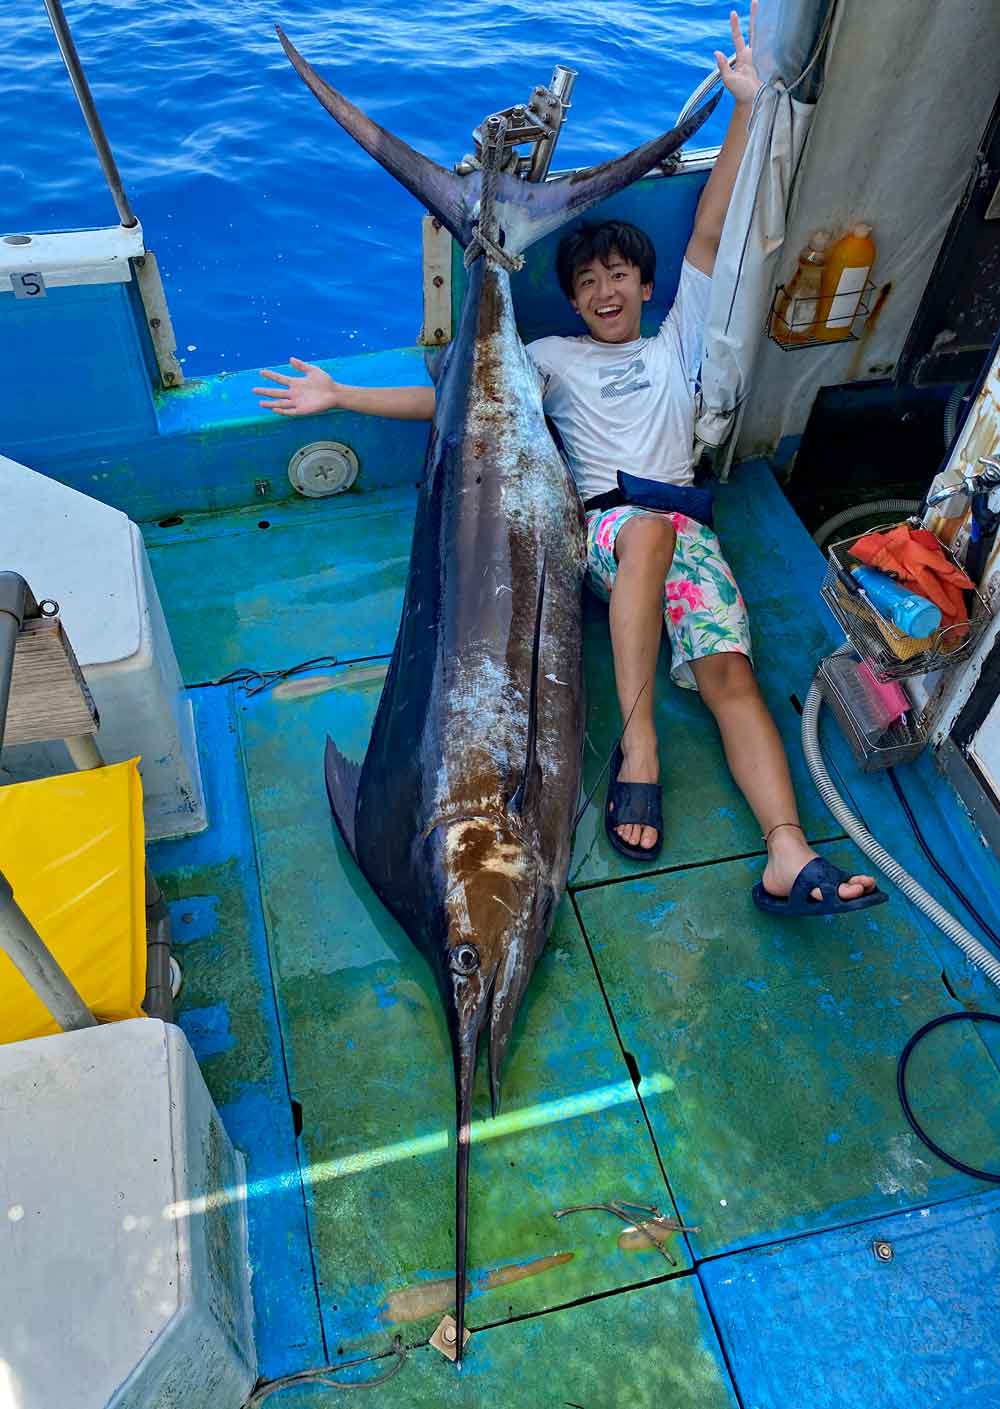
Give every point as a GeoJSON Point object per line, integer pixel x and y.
{"type": "Point", "coordinates": [276, 235]}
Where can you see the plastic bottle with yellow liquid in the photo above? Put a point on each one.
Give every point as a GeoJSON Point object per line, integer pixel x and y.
{"type": "Point", "coordinates": [848, 265]}
{"type": "Point", "coordinates": [797, 306]}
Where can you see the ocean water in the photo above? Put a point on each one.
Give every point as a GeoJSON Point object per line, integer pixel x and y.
{"type": "Point", "coordinates": [276, 235]}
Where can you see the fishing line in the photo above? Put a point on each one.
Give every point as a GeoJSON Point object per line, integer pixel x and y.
{"type": "Point", "coordinates": [254, 681]}
{"type": "Point", "coordinates": [322, 1375]}
{"type": "Point", "coordinates": [607, 763]}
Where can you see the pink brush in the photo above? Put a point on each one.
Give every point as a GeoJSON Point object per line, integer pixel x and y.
{"type": "Point", "coordinates": [890, 699]}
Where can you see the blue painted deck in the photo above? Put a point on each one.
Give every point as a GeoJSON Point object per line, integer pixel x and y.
{"type": "Point", "coordinates": [765, 1111]}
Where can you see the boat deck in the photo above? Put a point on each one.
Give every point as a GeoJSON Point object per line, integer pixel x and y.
{"type": "Point", "coordinates": [676, 1047]}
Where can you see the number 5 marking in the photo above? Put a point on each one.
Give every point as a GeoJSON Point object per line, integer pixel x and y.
{"type": "Point", "coordinates": [28, 285]}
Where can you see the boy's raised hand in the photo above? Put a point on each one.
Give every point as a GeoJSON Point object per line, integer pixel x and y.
{"type": "Point", "coordinates": [742, 79]}
{"type": "Point", "coordinates": [314, 391]}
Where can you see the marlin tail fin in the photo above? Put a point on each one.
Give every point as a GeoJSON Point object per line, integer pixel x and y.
{"type": "Point", "coordinates": [536, 209]}
{"type": "Point", "coordinates": [446, 195]}
{"type": "Point", "coordinates": [527, 210]}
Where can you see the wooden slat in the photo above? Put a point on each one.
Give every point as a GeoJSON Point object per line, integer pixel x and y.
{"type": "Point", "coordinates": [49, 698]}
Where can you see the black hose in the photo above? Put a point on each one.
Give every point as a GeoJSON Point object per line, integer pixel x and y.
{"type": "Point", "coordinates": [904, 1100]}
{"type": "Point", "coordinates": [925, 848]}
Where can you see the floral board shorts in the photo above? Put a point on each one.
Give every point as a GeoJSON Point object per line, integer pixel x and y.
{"type": "Point", "coordinates": [703, 608]}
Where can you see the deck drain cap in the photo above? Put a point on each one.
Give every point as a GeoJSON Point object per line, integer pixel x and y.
{"type": "Point", "coordinates": [324, 467]}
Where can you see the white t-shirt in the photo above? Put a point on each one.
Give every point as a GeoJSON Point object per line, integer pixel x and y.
{"type": "Point", "coordinates": [628, 406]}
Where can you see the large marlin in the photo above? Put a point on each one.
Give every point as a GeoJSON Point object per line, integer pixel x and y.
{"type": "Point", "coordinates": [461, 815]}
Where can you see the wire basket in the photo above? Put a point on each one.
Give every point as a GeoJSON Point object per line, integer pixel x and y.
{"type": "Point", "coordinates": [874, 743]}
{"type": "Point", "coordinates": [810, 314]}
{"type": "Point", "coordinates": [891, 654]}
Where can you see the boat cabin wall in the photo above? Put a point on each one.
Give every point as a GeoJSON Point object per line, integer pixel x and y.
{"type": "Point", "coordinates": [83, 370]}
{"type": "Point", "coordinates": [908, 93]}
{"type": "Point", "coordinates": [82, 404]}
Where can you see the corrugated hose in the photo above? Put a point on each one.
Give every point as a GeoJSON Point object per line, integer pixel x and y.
{"type": "Point", "coordinates": [970, 946]}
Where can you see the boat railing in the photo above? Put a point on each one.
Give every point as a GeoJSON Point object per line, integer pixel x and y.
{"type": "Point", "coordinates": [31, 263]}
{"type": "Point", "coordinates": [85, 98]}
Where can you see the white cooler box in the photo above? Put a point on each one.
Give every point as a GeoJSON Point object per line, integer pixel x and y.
{"type": "Point", "coordinates": [91, 559]}
{"type": "Point", "coordinates": [125, 1278]}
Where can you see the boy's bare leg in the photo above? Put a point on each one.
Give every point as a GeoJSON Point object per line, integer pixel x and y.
{"type": "Point", "coordinates": [759, 767]}
{"type": "Point", "coordinates": [644, 550]}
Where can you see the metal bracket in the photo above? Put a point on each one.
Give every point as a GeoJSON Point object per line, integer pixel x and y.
{"type": "Point", "coordinates": [445, 1338]}
{"type": "Point", "coordinates": [537, 122]}
{"type": "Point", "coordinates": [436, 330]}
{"type": "Point", "coordinates": [161, 329]}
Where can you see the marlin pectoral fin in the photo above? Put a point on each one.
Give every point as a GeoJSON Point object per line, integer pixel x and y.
{"type": "Point", "coordinates": [446, 195]}
{"type": "Point", "coordinates": [342, 779]}
{"type": "Point", "coordinates": [538, 208]}
{"type": "Point", "coordinates": [531, 780]}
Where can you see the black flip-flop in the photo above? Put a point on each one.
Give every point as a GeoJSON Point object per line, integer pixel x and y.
{"type": "Point", "coordinates": [817, 874]}
{"type": "Point", "coordinates": [632, 804]}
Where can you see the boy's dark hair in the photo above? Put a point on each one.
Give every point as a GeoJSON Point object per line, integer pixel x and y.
{"type": "Point", "coordinates": [588, 242]}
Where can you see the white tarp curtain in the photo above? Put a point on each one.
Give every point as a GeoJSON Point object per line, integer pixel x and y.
{"type": "Point", "coordinates": [789, 34]}
{"type": "Point", "coordinates": [747, 263]}
{"type": "Point", "coordinates": [907, 90]}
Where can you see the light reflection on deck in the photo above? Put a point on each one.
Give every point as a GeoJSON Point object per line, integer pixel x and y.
{"type": "Point", "coordinates": [509, 1123]}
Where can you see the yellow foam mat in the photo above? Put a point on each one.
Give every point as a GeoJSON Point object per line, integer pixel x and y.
{"type": "Point", "coordinates": [72, 848]}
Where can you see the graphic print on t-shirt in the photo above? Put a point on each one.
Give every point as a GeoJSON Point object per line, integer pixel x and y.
{"type": "Point", "coordinates": [624, 377]}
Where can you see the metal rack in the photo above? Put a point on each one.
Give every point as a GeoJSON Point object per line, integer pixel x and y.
{"type": "Point", "coordinates": [811, 313]}
{"type": "Point", "coordinates": [891, 654]}
{"type": "Point", "coordinates": [873, 744]}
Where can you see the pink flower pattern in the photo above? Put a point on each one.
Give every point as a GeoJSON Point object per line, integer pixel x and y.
{"type": "Point", "coordinates": [699, 622]}
{"type": "Point", "coordinates": [685, 591]}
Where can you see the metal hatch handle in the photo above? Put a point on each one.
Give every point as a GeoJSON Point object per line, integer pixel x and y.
{"type": "Point", "coordinates": [85, 98]}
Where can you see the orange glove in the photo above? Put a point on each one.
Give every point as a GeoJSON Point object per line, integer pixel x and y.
{"type": "Point", "coordinates": [915, 558]}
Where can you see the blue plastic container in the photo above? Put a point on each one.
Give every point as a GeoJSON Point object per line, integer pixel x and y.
{"type": "Point", "coordinates": [910, 613]}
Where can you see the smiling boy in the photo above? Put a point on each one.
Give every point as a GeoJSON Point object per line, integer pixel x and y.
{"type": "Point", "coordinates": [622, 402]}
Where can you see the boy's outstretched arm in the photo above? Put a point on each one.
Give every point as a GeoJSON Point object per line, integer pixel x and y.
{"type": "Point", "coordinates": [742, 81]}
{"type": "Point", "coordinates": [315, 391]}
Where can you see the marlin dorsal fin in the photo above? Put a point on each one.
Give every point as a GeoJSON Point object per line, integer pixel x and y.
{"type": "Point", "coordinates": [342, 780]}
{"type": "Point", "coordinates": [531, 780]}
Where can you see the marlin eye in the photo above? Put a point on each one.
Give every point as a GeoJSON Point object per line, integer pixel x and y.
{"type": "Point", "coordinates": [465, 959]}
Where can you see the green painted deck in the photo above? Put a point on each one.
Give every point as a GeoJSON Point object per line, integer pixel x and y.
{"type": "Point", "coordinates": [675, 1048]}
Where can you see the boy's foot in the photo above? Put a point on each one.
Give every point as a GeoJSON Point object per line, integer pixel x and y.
{"type": "Point", "coordinates": [788, 853]}
{"type": "Point", "coordinates": [639, 765]}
